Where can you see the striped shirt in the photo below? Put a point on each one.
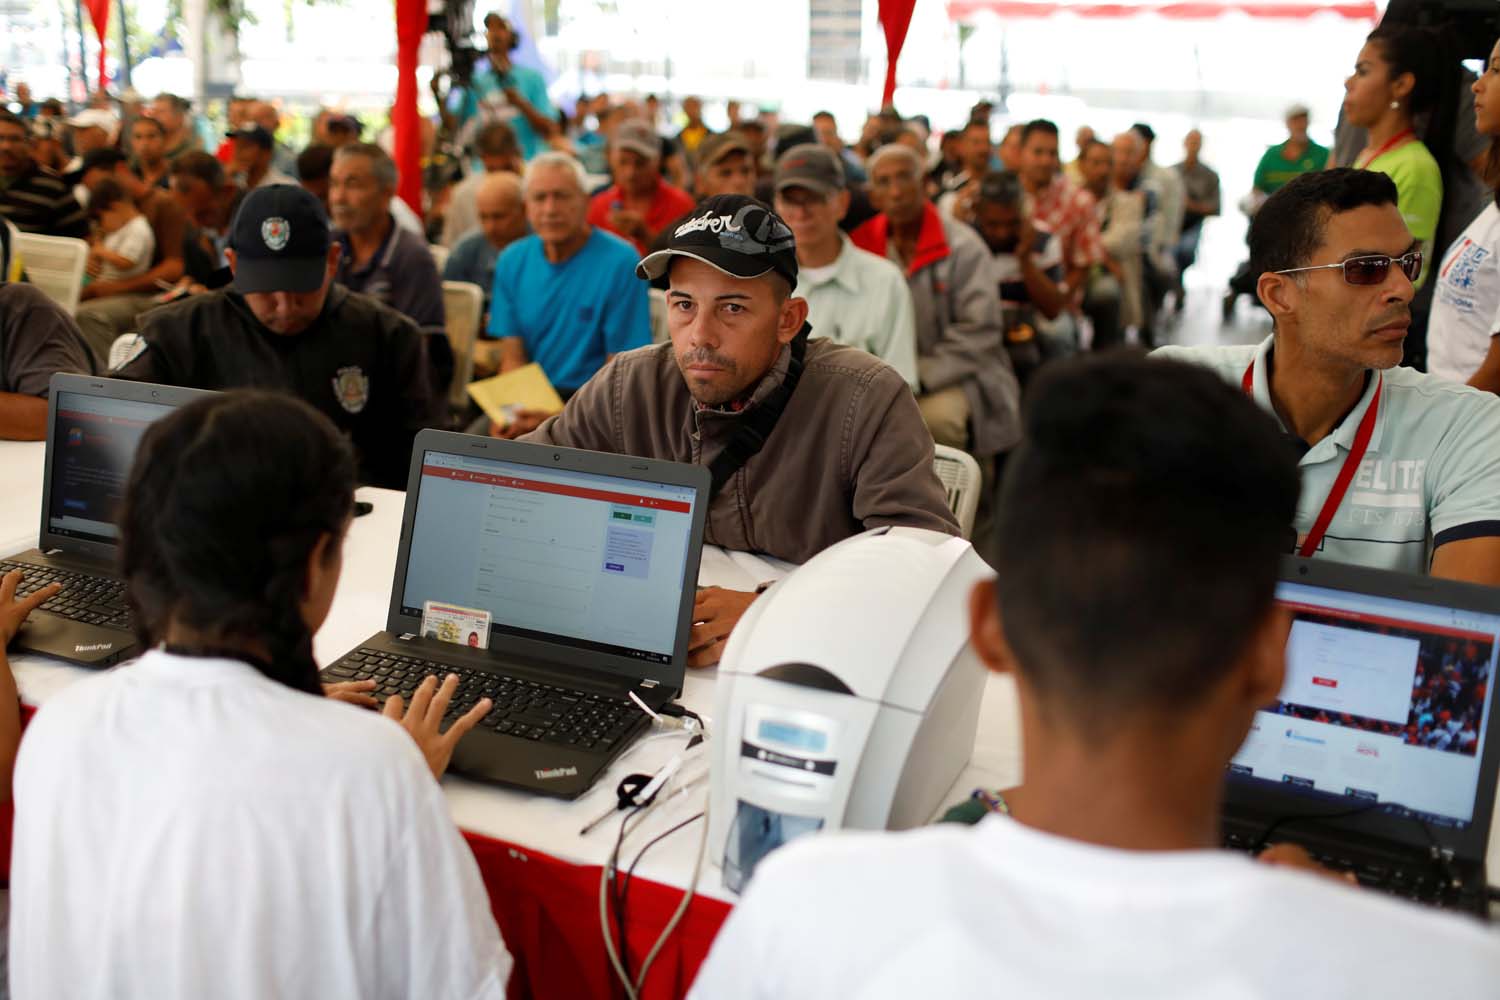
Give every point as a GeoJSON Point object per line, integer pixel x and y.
{"type": "Point", "coordinates": [39, 201]}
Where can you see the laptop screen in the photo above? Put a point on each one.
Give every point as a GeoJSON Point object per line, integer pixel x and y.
{"type": "Point", "coordinates": [1385, 701]}
{"type": "Point", "coordinates": [93, 445]}
{"type": "Point", "coordinates": [590, 561]}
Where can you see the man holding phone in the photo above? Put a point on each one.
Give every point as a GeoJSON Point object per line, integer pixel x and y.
{"type": "Point", "coordinates": [639, 204]}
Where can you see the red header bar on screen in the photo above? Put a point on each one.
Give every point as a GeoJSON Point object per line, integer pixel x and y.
{"type": "Point", "coordinates": [560, 489]}
{"type": "Point", "coordinates": [1356, 616]}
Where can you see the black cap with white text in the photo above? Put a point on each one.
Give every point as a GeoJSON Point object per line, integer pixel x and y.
{"type": "Point", "coordinates": [738, 235]}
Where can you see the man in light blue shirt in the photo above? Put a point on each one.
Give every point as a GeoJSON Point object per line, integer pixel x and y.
{"type": "Point", "coordinates": [502, 91]}
{"type": "Point", "coordinates": [1400, 470]}
{"type": "Point", "coordinates": [565, 297]}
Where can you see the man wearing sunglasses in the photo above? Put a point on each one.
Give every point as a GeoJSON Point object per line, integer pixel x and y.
{"type": "Point", "coordinates": [1400, 470]}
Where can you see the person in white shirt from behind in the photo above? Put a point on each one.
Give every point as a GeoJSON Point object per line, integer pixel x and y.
{"type": "Point", "coordinates": [1137, 680]}
{"type": "Point", "coordinates": [204, 821]}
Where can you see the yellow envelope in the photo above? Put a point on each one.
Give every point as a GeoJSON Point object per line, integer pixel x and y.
{"type": "Point", "coordinates": [525, 388]}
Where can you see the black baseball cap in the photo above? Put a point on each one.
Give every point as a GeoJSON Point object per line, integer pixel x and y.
{"type": "Point", "coordinates": [252, 133]}
{"type": "Point", "coordinates": [280, 237]}
{"type": "Point", "coordinates": [738, 235]}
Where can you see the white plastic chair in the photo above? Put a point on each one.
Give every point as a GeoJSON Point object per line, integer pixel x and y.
{"type": "Point", "coordinates": [439, 256]}
{"type": "Point", "coordinates": [660, 332]}
{"type": "Point", "coordinates": [960, 476]}
{"type": "Point", "coordinates": [463, 304]}
{"type": "Point", "coordinates": [55, 265]}
{"type": "Point", "coordinates": [126, 348]}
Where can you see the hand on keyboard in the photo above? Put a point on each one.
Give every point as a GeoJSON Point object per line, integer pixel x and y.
{"type": "Point", "coordinates": [354, 692]}
{"type": "Point", "coordinates": [13, 612]}
{"type": "Point", "coordinates": [1296, 856]}
{"type": "Point", "coordinates": [423, 720]}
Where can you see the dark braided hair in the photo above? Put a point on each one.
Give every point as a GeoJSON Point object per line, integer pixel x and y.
{"type": "Point", "coordinates": [226, 501]}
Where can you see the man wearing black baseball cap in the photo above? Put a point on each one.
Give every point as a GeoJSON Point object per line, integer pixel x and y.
{"type": "Point", "coordinates": [808, 441]}
{"type": "Point", "coordinates": [254, 155]}
{"type": "Point", "coordinates": [285, 324]}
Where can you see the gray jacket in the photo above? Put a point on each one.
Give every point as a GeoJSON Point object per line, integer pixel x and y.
{"type": "Point", "coordinates": [850, 452]}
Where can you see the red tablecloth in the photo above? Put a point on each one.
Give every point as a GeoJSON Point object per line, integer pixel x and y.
{"type": "Point", "coordinates": [548, 912]}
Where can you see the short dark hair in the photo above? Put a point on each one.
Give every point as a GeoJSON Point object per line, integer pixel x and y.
{"type": "Point", "coordinates": [1001, 187]}
{"type": "Point", "coordinates": [497, 139]}
{"type": "Point", "coordinates": [104, 195]}
{"type": "Point", "coordinates": [161, 129]}
{"type": "Point", "coordinates": [1290, 224]}
{"type": "Point", "coordinates": [1140, 528]}
{"type": "Point", "coordinates": [823, 114]}
{"type": "Point", "coordinates": [222, 547]}
{"type": "Point", "coordinates": [200, 165]}
{"type": "Point", "coordinates": [1146, 132]}
{"type": "Point", "coordinates": [180, 103]}
{"type": "Point", "coordinates": [315, 162]}
{"type": "Point", "coordinates": [8, 117]}
{"type": "Point", "coordinates": [1036, 125]}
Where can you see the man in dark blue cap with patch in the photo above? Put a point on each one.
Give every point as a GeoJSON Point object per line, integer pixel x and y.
{"type": "Point", "coordinates": [808, 441]}
{"type": "Point", "coordinates": [285, 324]}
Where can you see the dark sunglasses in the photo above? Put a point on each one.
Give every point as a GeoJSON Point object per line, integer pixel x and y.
{"type": "Point", "coordinates": [1369, 270]}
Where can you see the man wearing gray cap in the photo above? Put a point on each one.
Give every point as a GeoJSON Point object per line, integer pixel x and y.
{"type": "Point", "coordinates": [639, 204]}
{"type": "Point", "coordinates": [808, 442]}
{"type": "Point", "coordinates": [853, 297]}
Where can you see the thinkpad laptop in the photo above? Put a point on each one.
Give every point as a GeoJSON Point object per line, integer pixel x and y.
{"type": "Point", "coordinates": [93, 428]}
{"type": "Point", "coordinates": [1380, 756]}
{"type": "Point", "coordinates": [587, 565]}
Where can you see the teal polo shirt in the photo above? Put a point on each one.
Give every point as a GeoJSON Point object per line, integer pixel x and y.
{"type": "Point", "coordinates": [1430, 476]}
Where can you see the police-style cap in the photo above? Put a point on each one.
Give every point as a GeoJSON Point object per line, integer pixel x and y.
{"type": "Point", "coordinates": [280, 237]}
{"type": "Point", "coordinates": [738, 235]}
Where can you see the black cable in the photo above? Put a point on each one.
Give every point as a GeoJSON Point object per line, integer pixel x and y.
{"type": "Point", "coordinates": [616, 909]}
{"type": "Point", "coordinates": [630, 872]}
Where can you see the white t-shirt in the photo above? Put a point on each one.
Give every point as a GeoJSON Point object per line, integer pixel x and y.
{"type": "Point", "coordinates": [188, 828]}
{"type": "Point", "coordinates": [134, 241]}
{"type": "Point", "coordinates": [1001, 910]}
{"type": "Point", "coordinates": [1466, 301]}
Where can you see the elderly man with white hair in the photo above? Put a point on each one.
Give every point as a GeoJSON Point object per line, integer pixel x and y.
{"type": "Point", "coordinates": [566, 296]}
{"type": "Point", "coordinates": [969, 395]}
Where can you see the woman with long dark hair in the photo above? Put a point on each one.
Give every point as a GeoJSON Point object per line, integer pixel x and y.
{"type": "Point", "coordinates": [204, 821]}
{"type": "Point", "coordinates": [1402, 74]}
{"type": "Point", "coordinates": [1462, 345]}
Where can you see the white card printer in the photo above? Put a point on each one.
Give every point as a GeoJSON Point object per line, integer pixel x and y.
{"type": "Point", "coordinates": [848, 696]}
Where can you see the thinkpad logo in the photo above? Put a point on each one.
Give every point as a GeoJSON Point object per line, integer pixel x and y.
{"type": "Point", "coordinates": [97, 647]}
{"type": "Point", "coordinates": [556, 772]}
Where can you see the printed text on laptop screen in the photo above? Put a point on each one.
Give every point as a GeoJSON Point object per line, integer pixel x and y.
{"type": "Point", "coordinates": [585, 560]}
{"type": "Point", "coordinates": [1385, 701]}
{"type": "Point", "coordinates": [94, 443]}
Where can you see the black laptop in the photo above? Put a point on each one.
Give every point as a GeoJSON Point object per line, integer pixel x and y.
{"type": "Point", "coordinates": [587, 564]}
{"type": "Point", "coordinates": [1380, 756]}
{"type": "Point", "coordinates": [93, 428]}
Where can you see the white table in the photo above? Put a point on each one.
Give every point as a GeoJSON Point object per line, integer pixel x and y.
{"type": "Point", "coordinates": [543, 824]}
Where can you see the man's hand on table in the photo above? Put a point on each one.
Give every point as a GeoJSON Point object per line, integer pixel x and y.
{"type": "Point", "coordinates": [424, 718]}
{"type": "Point", "coordinates": [13, 611]}
{"type": "Point", "coordinates": [716, 611]}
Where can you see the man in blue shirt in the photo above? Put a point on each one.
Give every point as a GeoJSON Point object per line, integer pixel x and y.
{"type": "Point", "coordinates": [565, 297]}
{"type": "Point", "coordinates": [503, 91]}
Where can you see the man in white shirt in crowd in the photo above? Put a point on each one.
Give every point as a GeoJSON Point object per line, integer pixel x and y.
{"type": "Point", "coordinates": [1100, 876]}
{"type": "Point", "coordinates": [1335, 263]}
{"type": "Point", "coordinates": [853, 296]}
{"type": "Point", "coordinates": [498, 150]}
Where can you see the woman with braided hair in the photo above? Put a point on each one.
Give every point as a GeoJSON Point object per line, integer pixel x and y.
{"type": "Point", "coordinates": [207, 820]}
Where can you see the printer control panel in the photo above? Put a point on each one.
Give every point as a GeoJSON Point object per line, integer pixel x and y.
{"type": "Point", "coordinates": [790, 746]}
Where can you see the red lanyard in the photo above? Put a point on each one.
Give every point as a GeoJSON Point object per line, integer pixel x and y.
{"type": "Point", "coordinates": [1398, 139]}
{"type": "Point", "coordinates": [1346, 474]}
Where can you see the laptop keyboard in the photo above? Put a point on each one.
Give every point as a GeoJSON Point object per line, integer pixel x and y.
{"type": "Point", "coordinates": [94, 600]}
{"type": "Point", "coordinates": [524, 709]}
{"type": "Point", "coordinates": [1420, 882]}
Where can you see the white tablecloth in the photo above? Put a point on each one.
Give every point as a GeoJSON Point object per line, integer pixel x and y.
{"type": "Point", "coordinates": [548, 825]}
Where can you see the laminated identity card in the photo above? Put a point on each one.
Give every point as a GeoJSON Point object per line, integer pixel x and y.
{"type": "Point", "coordinates": [451, 623]}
